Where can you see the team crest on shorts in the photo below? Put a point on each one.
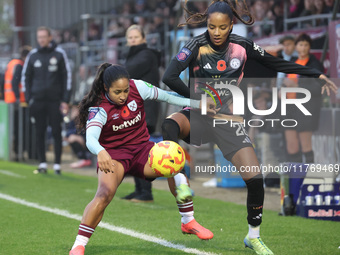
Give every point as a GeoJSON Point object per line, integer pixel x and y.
{"type": "Point", "coordinates": [93, 112]}
{"type": "Point", "coordinates": [132, 105]}
{"type": "Point", "coordinates": [183, 54]}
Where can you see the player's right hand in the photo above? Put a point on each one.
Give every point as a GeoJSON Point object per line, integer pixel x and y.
{"type": "Point", "coordinates": [211, 106]}
{"type": "Point", "coordinates": [328, 86]}
{"type": "Point", "coordinates": [105, 162]}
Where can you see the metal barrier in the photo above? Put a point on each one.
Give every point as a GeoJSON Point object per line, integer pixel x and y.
{"type": "Point", "coordinates": [312, 18]}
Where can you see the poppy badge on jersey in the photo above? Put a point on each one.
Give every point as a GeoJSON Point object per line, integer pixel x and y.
{"type": "Point", "coordinates": [125, 112]}
{"type": "Point", "coordinates": [183, 54]}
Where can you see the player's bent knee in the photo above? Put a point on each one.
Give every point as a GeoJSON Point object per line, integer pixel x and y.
{"type": "Point", "coordinates": [105, 194]}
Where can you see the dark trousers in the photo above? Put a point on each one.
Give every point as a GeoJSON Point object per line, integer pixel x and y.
{"type": "Point", "coordinates": [47, 113]}
{"type": "Point", "coordinates": [143, 187]}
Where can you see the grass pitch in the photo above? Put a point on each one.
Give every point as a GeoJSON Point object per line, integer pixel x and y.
{"type": "Point", "coordinates": [27, 228]}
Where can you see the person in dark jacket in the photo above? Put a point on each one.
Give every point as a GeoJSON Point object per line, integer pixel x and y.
{"type": "Point", "coordinates": [142, 63]}
{"type": "Point", "coordinates": [46, 81]}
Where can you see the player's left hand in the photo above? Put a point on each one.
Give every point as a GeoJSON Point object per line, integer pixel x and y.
{"type": "Point", "coordinates": [105, 162]}
{"type": "Point", "coordinates": [329, 86]}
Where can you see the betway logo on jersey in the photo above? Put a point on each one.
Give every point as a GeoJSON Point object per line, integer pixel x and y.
{"type": "Point", "coordinates": [128, 123]}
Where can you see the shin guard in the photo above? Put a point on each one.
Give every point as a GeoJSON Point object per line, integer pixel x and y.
{"type": "Point", "coordinates": [255, 200]}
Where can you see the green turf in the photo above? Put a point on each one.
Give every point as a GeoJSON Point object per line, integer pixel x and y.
{"type": "Point", "coordinates": [25, 230]}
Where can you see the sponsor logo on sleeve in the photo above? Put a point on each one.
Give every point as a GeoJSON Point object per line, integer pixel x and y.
{"type": "Point", "coordinates": [148, 84]}
{"type": "Point", "coordinates": [183, 55]}
{"type": "Point", "coordinates": [93, 112]}
{"type": "Point", "coordinates": [259, 49]}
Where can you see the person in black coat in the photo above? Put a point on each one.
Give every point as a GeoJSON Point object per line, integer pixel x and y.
{"type": "Point", "coordinates": [142, 63]}
{"type": "Point", "coordinates": [46, 81]}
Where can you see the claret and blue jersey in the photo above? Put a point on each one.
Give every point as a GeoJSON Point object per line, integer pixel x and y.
{"type": "Point", "coordinates": [110, 125]}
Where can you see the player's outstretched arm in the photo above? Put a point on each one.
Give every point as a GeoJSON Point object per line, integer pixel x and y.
{"type": "Point", "coordinates": [329, 86]}
{"type": "Point", "coordinates": [150, 92]}
{"type": "Point", "coordinates": [172, 98]}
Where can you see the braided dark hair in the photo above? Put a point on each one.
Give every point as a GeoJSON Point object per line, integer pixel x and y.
{"type": "Point", "coordinates": [222, 6]}
{"type": "Point", "coordinates": [105, 76]}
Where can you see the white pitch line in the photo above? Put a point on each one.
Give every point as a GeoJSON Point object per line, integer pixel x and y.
{"type": "Point", "coordinates": [107, 226]}
{"type": "Point", "coordinates": [9, 173]}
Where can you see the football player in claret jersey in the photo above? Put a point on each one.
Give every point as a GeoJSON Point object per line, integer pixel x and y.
{"type": "Point", "coordinates": [220, 56]}
{"type": "Point", "coordinates": [114, 117]}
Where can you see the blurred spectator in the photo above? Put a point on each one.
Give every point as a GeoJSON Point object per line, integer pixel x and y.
{"type": "Point", "coordinates": [277, 16]}
{"type": "Point", "coordinates": [329, 5]}
{"type": "Point", "coordinates": [309, 10]}
{"type": "Point", "coordinates": [141, 7]}
{"type": "Point", "coordinates": [157, 24]}
{"type": "Point", "coordinates": [46, 80]}
{"type": "Point", "coordinates": [57, 36]}
{"type": "Point", "coordinates": [13, 93]}
{"type": "Point", "coordinates": [144, 23]}
{"type": "Point", "coordinates": [69, 36]}
{"type": "Point", "coordinates": [259, 10]}
{"type": "Point", "coordinates": [84, 80]}
{"type": "Point", "coordinates": [320, 8]}
{"type": "Point", "coordinates": [295, 8]}
{"type": "Point", "coordinates": [124, 20]}
{"type": "Point", "coordinates": [126, 9]}
{"type": "Point", "coordinates": [114, 29]}
{"type": "Point", "coordinates": [125, 23]}
{"type": "Point", "coordinates": [94, 32]}
{"type": "Point", "coordinates": [77, 141]}
{"type": "Point", "coordinates": [288, 51]}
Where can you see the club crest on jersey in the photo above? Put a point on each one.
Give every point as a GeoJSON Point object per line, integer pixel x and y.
{"type": "Point", "coordinates": [132, 105]}
{"type": "Point", "coordinates": [93, 112]}
{"type": "Point", "coordinates": [53, 60]}
{"type": "Point", "coordinates": [235, 63]}
{"type": "Point", "coordinates": [183, 54]}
